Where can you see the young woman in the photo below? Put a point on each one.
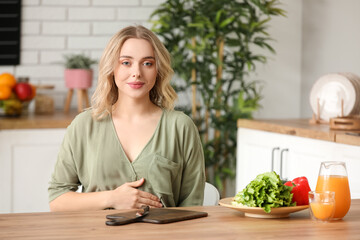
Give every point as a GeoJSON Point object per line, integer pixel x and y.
{"type": "Point", "coordinates": [131, 148]}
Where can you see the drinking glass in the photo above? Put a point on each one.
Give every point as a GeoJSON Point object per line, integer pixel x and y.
{"type": "Point", "coordinates": [333, 177]}
{"type": "Point", "coordinates": [322, 205]}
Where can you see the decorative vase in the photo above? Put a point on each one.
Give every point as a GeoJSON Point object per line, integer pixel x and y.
{"type": "Point", "coordinates": [78, 78]}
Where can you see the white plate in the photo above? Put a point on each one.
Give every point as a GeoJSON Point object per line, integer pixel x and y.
{"type": "Point", "coordinates": [258, 212]}
{"type": "Point", "coordinates": [330, 89]}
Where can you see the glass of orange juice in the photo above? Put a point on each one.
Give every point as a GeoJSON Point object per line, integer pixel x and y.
{"type": "Point", "coordinates": [333, 177]}
{"type": "Point", "coordinates": [322, 205]}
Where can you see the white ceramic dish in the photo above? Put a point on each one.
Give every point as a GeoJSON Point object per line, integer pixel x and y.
{"type": "Point", "coordinates": [330, 89]}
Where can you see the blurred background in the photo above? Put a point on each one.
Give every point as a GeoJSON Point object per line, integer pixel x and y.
{"type": "Point", "coordinates": [315, 38]}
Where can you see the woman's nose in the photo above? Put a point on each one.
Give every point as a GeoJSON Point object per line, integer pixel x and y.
{"type": "Point", "coordinates": [136, 72]}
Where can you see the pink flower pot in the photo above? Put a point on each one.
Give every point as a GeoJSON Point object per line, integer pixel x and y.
{"type": "Point", "coordinates": [78, 78]}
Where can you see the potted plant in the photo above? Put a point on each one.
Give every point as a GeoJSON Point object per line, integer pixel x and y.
{"type": "Point", "coordinates": [213, 44]}
{"type": "Point", "coordinates": [78, 72]}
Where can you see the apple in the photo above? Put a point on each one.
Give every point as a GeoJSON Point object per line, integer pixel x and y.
{"type": "Point", "coordinates": [33, 92]}
{"type": "Point", "coordinates": [23, 91]}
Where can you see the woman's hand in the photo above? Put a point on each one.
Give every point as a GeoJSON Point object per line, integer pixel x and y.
{"type": "Point", "coordinates": [127, 196]}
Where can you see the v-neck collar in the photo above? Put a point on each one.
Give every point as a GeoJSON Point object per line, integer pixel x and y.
{"type": "Point", "coordinates": [146, 145]}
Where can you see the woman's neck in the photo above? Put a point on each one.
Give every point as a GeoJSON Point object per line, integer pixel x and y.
{"type": "Point", "coordinates": [133, 108]}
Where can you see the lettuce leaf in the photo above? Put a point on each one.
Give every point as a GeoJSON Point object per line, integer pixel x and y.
{"type": "Point", "coordinates": [266, 191]}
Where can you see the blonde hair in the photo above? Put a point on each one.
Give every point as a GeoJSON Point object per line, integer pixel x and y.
{"type": "Point", "coordinates": [106, 92]}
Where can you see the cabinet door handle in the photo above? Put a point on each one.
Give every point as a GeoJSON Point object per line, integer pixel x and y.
{"type": "Point", "coordinates": [281, 160]}
{"type": "Point", "coordinates": [273, 156]}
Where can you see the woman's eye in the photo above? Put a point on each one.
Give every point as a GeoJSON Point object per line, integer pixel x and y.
{"type": "Point", "coordinates": [126, 63]}
{"type": "Point", "coordinates": [148, 64]}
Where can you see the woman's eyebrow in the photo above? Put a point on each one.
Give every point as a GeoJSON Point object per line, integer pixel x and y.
{"type": "Point", "coordinates": [148, 57]}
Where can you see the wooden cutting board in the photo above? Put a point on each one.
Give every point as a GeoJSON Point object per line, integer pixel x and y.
{"type": "Point", "coordinates": [162, 215]}
{"type": "Point", "coordinates": [345, 123]}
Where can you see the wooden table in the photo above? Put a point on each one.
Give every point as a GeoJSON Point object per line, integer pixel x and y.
{"type": "Point", "coordinates": [222, 223]}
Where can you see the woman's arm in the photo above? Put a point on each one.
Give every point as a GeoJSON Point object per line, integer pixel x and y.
{"type": "Point", "coordinates": [193, 180]}
{"type": "Point", "coordinates": [193, 176]}
{"type": "Point", "coordinates": [124, 197]}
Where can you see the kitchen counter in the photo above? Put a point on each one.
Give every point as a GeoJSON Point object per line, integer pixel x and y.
{"type": "Point", "coordinates": [295, 127]}
{"type": "Point", "coordinates": [302, 128]}
{"type": "Point", "coordinates": [31, 121]}
{"type": "Point", "coordinates": [221, 223]}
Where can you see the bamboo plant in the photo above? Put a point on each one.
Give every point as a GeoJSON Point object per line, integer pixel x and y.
{"type": "Point", "coordinates": [213, 44]}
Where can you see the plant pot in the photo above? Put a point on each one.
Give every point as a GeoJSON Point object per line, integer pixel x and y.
{"type": "Point", "coordinates": [78, 78]}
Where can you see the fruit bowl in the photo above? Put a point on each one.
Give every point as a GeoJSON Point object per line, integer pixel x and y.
{"type": "Point", "coordinates": [15, 96]}
{"type": "Point", "coordinates": [11, 108]}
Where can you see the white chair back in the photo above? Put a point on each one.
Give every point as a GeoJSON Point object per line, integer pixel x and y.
{"type": "Point", "coordinates": [211, 195]}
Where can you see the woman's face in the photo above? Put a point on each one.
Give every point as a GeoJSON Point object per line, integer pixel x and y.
{"type": "Point", "coordinates": [135, 72]}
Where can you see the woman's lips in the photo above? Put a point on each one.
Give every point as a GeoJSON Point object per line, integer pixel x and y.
{"type": "Point", "coordinates": [136, 85]}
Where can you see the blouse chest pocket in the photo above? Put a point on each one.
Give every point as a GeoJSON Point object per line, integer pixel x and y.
{"type": "Point", "coordinates": [163, 176]}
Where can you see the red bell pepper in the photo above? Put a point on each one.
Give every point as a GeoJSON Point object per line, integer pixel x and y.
{"type": "Point", "coordinates": [300, 190]}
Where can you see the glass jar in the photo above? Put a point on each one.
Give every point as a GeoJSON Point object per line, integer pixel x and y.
{"type": "Point", "coordinates": [333, 177]}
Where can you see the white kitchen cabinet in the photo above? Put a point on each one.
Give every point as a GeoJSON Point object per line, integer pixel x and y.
{"type": "Point", "coordinates": [254, 154]}
{"type": "Point", "coordinates": [27, 159]}
{"type": "Point", "coordinates": [292, 157]}
{"type": "Point", "coordinates": [351, 156]}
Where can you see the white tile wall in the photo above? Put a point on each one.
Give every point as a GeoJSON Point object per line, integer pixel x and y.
{"type": "Point", "coordinates": [151, 2]}
{"type": "Point", "coordinates": [116, 3]}
{"type": "Point", "coordinates": [66, 2]}
{"type": "Point", "coordinates": [91, 13]}
{"type": "Point", "coordinates": [30, 2]}
{"type": "Point", "coordinates": [52, 28]}
{"type": "Point", "coordinates": [30, 28]}
{"type": "Point", "coordinates": [66, 28]}
{"type": "Point", "coordinates": [29, 57]}
{"type": "Point", "coordinates": [134, 13]}
{"type": "Point", "coordinates": [43, 13]}
{"type": "Point", "coordinates": [42, 42]}
{"type": "Point", "coordinates": [109, 27]}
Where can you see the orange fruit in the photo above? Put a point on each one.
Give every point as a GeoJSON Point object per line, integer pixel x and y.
{"type": "Point", "coordinates": [7, 79]}
{"type": "Point", "coordinates": [5, 92]}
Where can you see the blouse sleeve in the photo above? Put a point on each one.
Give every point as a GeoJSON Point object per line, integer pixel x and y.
{"type": "Point", "coordinates": [193, 180]}
{"type": "Point", "coordinates": [64, 178]}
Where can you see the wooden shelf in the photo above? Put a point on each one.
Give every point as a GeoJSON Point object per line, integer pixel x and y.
{"type": "Point", "coordinates": [31, 121]}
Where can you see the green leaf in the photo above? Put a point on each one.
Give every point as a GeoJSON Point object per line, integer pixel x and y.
{"type": "Point", "coordinates": [218, 16]}
{"type": "Point", "coordinates": [226, 22]}
{"type": "Point", "coordinates": [78, 61]}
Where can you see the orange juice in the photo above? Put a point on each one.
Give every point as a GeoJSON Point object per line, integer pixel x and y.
{"type": "Point", "coordinates": [339, 185]}
{"type": "Point", "coordinates": [321, 210]}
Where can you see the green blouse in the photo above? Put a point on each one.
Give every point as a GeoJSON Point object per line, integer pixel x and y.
{"type": "Point", "coordinates": [172, 162]}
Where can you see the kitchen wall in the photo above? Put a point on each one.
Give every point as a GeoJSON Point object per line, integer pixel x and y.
{"type": "Point", "coordinates": [316, 37]}
{"type": "Point", "coordinates": [281, 75]}
{"type": "Point", "coordinates": [330, 42]}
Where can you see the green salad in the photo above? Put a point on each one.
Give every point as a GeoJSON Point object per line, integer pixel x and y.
{"type": "Point", "coordinates": [266, 191]}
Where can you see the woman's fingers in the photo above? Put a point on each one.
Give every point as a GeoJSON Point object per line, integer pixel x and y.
{"type": "Point", "coordinates": [150, 196]}
{"type": "Point", "coordinates": [148, 202]}
{"type": "Point", "coordinates": [137, 183]}
{"type": "Point", "coordinates": [149, 199]}
{"type": "Point", "coordinates": [128, 196]}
